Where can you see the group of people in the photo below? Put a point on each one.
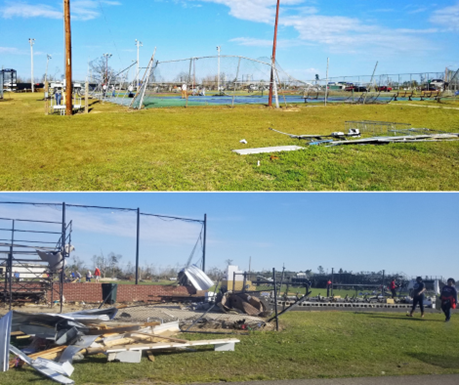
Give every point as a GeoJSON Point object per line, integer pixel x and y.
{"type": "Point", "coordinates": [194, 92]}
{"type": "Point", "coordinates": [448, 297]}
{"type": "Point", "coordinates": [89, 275]}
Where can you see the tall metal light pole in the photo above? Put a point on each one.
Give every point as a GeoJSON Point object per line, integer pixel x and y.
{"type": "Point", "coordinates": [138, 44]}
{"type": "Point", "coordinates": [271, 84]}
{"type": "Point", "coordinates": [31, 42]}
{"type": "Point", "coordinates": [218, 72]}
{"type": "Point", "coordinates": [68, 60]}
{"type": "Point", "coordinates": [48, 57]}
{"type": "Point", "coordinates": [106, 56]}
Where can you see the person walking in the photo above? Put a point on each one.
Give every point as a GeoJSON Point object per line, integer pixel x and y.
{"type": "Point", "coordinates": [393, 286]}
{"type": "Point", "coordinates": [78, 276]}
{"type": "Point", "coordinates": [97, 274]}
{"type": "Point", "coordinates": [418, 296]}
{"type": "Point", "coordinates": [88, 276]}
{"type": "Point", "coordinates": [448, 297]}
{"type": "Point", "coordinates": [184, 93]}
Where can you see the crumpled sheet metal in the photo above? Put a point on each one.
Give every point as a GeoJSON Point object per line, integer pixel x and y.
{"type": "Point", "coordinates": [198, 278]}
{"type": "Point", "coordinates": [54, 259]}
{"type": "Point", "coordinates": [47, 325]}
{"type": "Point", "coordinates": [5, 335]}
{"type": "Point", "coordinates": [44, 367]}
{"type": "Point", "coordinates": [81, 343]}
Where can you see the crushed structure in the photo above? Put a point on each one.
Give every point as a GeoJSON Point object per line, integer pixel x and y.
{"type": "Point", "coordinates": [56, 340]}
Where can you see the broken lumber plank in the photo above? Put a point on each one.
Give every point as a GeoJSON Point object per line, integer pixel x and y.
{"type": "Point", "coordinates": [150, 356]}
{"type": "Point", "coordinates": [50, 354]}
{"type": "Point", "coordinates": [113, 330]}
{"type": "Point", "coordinates": [17, 333]}
{"type": "Point", "coordinates": [160, 336]}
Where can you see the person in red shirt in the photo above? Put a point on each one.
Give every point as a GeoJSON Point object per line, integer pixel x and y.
{"type": "Point", "coordinates": [97, 274]}
{"type": "Point", "coordinates": [393, 286]}
{"type": "Point", "coordinates": [448, 298]}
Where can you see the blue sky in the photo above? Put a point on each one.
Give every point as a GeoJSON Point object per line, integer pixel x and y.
{"type": "Point", "coordinates": [410, 36]}
{"type": "Point", "coordinates": [413, 233]}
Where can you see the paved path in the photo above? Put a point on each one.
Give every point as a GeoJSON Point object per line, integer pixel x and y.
{"type": "Point", "coordinates": [423, 105]}
{"type": "Point", "coordinates": [447, 379]}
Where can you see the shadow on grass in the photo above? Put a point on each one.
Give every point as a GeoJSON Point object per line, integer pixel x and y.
{"type": "Point", "coordinates": [446, 361]}
{"type": "Point", "coordinates": [405, 318]}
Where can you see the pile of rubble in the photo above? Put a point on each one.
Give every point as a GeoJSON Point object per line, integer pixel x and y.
{"type": "Point", "coordinates": [56, 340]}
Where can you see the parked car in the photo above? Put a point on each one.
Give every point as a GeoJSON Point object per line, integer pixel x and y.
{"type": "Point", "coordinates": [384, 88]}
{"type": "Point", "coordinates": [429, 88]}
{"type": "Point", "coordinates": [438, 83]}
{"type": "Point", "coordinates": [360, 89]}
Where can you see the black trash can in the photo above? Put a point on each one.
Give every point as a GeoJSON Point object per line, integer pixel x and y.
{"type": "Point", "coordinates": [109, 291]}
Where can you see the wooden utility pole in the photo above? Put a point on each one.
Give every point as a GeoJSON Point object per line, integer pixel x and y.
{"type": "Point", "coordinates": [68, 60]}
{"type": "Point", "coordinates": [271, 84]}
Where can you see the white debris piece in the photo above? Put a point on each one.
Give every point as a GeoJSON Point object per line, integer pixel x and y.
{"type": "Point", "coordinates": [262, 150]}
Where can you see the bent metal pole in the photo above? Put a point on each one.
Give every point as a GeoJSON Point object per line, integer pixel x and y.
{"type": "Point", "coordinates": [271, 84]}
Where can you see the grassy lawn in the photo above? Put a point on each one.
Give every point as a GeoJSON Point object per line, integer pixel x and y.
{"type": "Point", "coordinates": [190, 149]}
{"type": "Point", "coordinates": [311, 345]}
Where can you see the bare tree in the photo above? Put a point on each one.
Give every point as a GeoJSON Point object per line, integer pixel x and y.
{"type": "Point", "coordinates": [100, 70]}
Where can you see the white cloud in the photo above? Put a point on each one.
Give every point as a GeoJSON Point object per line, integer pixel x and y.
{"type": "Point", "coordinates": [255, 10]}
{"type": "Point", "coordinates": [80, 9]}
{"type": "Point", "coordinates": [252, 42]}
{"type": "Point", "coordinates": [106, 224]}
{"type": "Point", "coordinates": [21, 9]}
{"type": "Point", "coordinates": [447, 17]}
{"type": "Point", "coordinates": [9, 50]}
{"type": "Point", "coordinates": [339, 33]}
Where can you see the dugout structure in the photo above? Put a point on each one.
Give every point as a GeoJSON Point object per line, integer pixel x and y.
{"type": "Point", "coordinates": [10, 79]}
{"type": "Point", "coordinates": [37, 280]}
{"type": "Point", "coordinates": [26, 277]}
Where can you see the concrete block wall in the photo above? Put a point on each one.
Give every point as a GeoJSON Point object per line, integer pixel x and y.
{"type": "Point", "coordinates": [92, 292]}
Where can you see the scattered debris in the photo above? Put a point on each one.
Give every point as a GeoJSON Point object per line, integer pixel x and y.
{"type": "Point", "coordinates": [351, 133]}
{"type": "Point", "coordinates": [243, 141]}
{"type": "Point", "coordinates": [59, 339]}
{"type": "Point", "coordinates": [400, 139]}
{"type": "Point", "coordinates": [243, 302]}
{"type": "Point", "coordinates": [383, 133]}
{"type": "Point", "coordinates": [196, 277]}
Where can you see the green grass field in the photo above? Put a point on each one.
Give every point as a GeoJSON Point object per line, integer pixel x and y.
{"type": "Point", "coordinates": [311, 345]}
{"type": "Point", "coordinates": [190, 149]}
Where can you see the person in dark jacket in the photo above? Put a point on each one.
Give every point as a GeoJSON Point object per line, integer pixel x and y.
{"type": "Point", "coordinates": [418, 296]}
{"type": "Point", "coordinates": [448, 297]}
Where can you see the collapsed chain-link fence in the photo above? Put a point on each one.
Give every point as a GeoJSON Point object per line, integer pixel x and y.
{"type": "Point", "coordinates": [236, 80]}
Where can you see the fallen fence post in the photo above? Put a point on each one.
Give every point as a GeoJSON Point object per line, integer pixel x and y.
{"type": "Point", "coordinates": [302, 299]}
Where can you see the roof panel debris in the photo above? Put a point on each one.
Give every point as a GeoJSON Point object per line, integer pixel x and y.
{"type": "Point", "coordinates": [56, 340]}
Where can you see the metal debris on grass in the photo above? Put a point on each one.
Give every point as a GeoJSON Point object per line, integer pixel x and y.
{"type": "Point", "coordinates": [58, 339]}
{"type": "Point", "coordinates": [382, 133]}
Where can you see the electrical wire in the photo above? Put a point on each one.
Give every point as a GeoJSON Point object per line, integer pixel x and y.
{"type": "Point", "coordinates": [109, 30]}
